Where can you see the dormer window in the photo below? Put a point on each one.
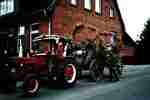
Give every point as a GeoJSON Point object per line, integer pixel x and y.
{"type": "Point", "coordinates": [87, 4]}
{"type": "Point", "coordinates": [98, 6]}
{"type": "Point", "coordinates": [74, 2]}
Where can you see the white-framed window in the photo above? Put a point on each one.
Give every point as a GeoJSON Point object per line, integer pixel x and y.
{"type": "Point", "coordinates": [98, 6]}
{"type": "Point", "coordinates": [74, 2]}
{"type": "Point", "coordinates": [10, 7]}
{"type": "Point", "coordinates": [2, 8]}
{"type": "Point", "coordinates": [113, 39]}
{"type": "Point", "coordinates": [88, 4]}
{"type": "Point", "coordinates": [20, 41]}
{"type": "Point", "coordinates": [111, 12]}
{"type": "Point", "coordinates": [34, 28]}
{"type": "Point", "coordinates": [34, 33]}
{"type": "Point", "coordinates": [21, 30]}
{"type": "Point", "coordinates": [6, 6]}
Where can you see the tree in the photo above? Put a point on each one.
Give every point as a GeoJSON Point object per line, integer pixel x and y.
{"type": "Point", "coordinates": [143, 48]}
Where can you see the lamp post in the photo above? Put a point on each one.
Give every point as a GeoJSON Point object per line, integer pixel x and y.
{"type": "Point", "coordinates": [48, 12]}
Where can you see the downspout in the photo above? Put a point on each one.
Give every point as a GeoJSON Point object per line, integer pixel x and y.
{"type": "Point", "coordinates": [50, 9]}
{"type": "Point", "coordinates": [49, 31]}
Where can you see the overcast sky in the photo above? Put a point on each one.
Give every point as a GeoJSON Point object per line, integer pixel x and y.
{"type": "Point", "coordinates": [135, 13]}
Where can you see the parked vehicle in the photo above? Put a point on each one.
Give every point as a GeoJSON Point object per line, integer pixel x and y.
{"type": "Point", "coordinates": [85, 58]}
{"type": "Point", "coordinates": [100, 63]}
{"type": "Point", "coordinates": [50, 63]}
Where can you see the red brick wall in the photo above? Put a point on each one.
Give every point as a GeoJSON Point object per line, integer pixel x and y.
{"type": "Point", "coordinates": [65, 18]}
{"type": "Point", "coordinates": [105, 7]}
{"type": "Point", "coordinates": [130, 51]}
{"type": "Point", "coordinates": [43, 27]}
{"type": "Point", "coordinates": [128, 55]}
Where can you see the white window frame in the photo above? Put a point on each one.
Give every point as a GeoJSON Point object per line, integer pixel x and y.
{"type": "Point", "coordinates": [34, 31]}
{"type": "Point", "coordinates": [2, 8]}
{"type": "Point", "coordinates": [113, 39]}
{"type": "Point", "coordinates": [88, 4]}
{"type": "Point", "coordinates": [6, 7]}
{"type": "Point", "coordinates": [10, 5]}
{"type": "Point", "coordinates": [98, 6]}
{"type": "Point", "coordinates": [111, 12]}
{"type": "Point", "coordinates": [73, 2]}
{"type": "Point", "coordinates": [22, 30]}
{"type": "Point", "coordinates": [21, 33]}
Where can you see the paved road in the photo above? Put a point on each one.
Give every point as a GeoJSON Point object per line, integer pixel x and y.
{"type": "Point", "coordinates": [134, 85]}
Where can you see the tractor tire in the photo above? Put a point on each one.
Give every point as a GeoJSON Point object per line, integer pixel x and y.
{"type": "Point", "coordinates": [68, 75]}
{"type": "Point", "coordinates": [95, 71]}
{"type": "Point", "coordinates": [31, 85]}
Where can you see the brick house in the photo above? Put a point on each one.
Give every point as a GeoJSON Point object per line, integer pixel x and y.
{"type": "Point", "coordinates": [90, 18]}
{"type": "Point", "coordinates": [80, 19]}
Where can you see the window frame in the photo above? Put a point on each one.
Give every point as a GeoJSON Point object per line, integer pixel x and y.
{"type": "Point", "coordinates": [21, 30]}
{"type": "Point", "coordinates": [99, 6]}
{"type": "Point", "coordinates": [7, 7]}
{"type": "Point", "coordinates": [21, 40]}
{"type": "Point", "coordinates": [71, 2]}
{"type": "Point", "coordinates": [111, 12]}
{"type": "Point", "coordinates": [113, 39]}
{"type": "Point", "coordinates": [34, 31]}
{"type": "Point", "coordinates": [90, 3]}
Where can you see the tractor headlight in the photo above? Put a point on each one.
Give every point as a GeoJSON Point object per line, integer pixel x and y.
{"type": "Point", "coordinates": [21, 65]}
{"type": "Point", "coordinates": [79, 52]}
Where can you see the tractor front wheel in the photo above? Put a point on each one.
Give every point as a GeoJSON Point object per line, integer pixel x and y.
{"type": "Point", "coordinates": [95, 71]}
{"type": "Point", "coordinates": [69, 74]}
{"type": "Point", "coordinates": [31, 85]}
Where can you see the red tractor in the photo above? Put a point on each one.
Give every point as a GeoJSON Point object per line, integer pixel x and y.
{"type": "Point", "coordinates": [50, 63]}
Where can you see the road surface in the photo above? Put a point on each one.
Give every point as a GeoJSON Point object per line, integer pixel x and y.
{"type": "Point", "coordinates": [134, 85]}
